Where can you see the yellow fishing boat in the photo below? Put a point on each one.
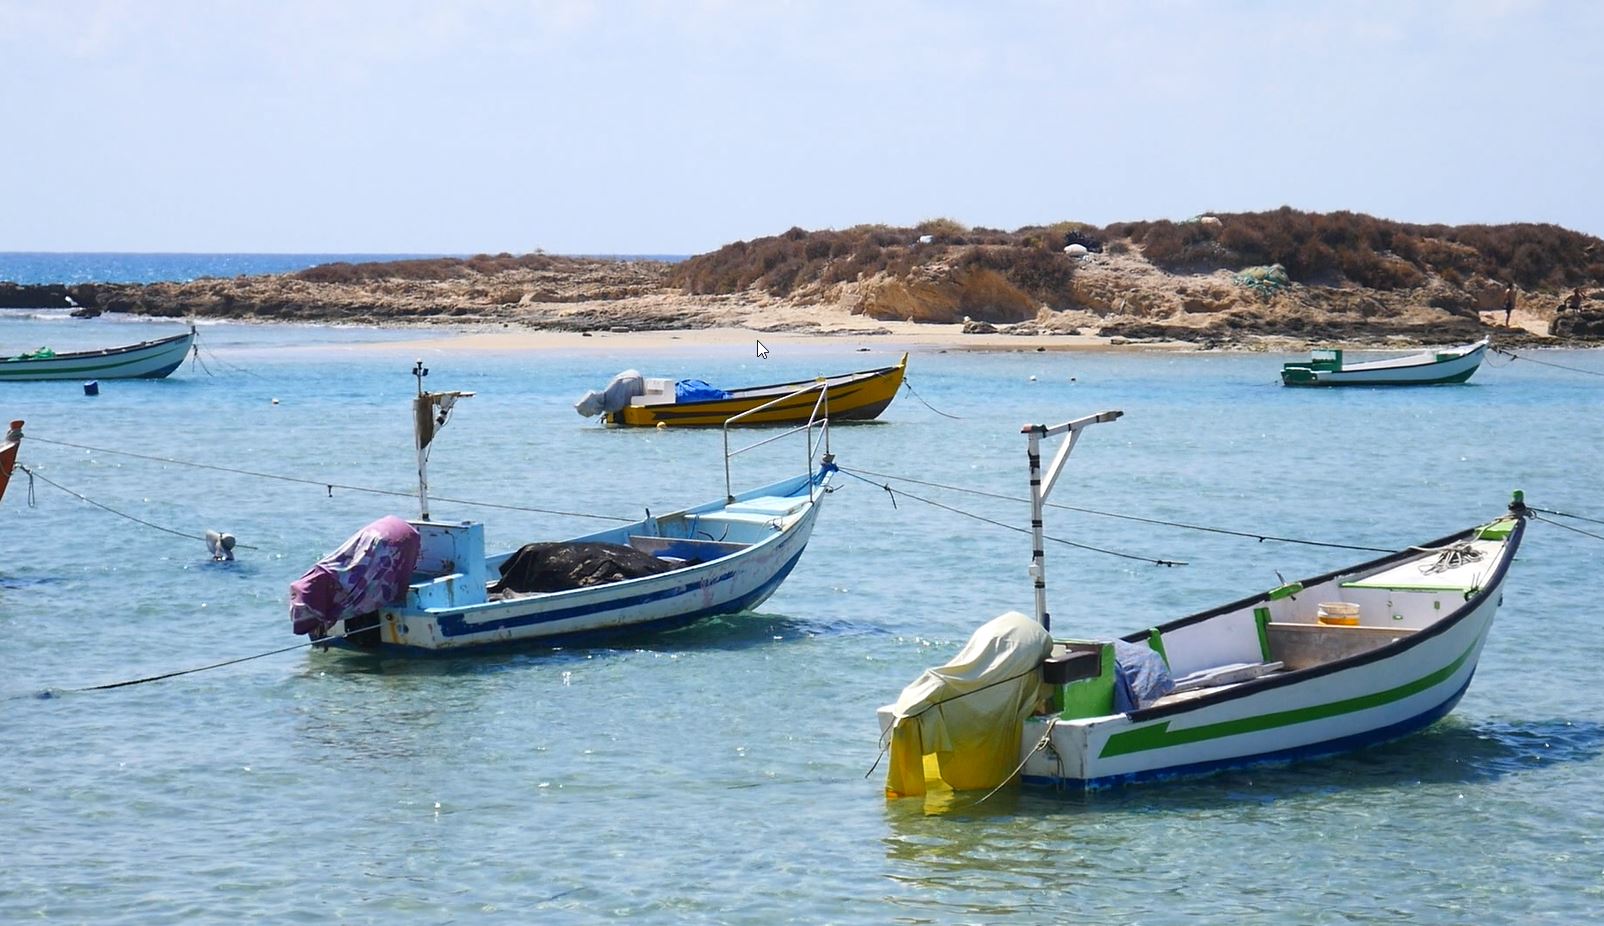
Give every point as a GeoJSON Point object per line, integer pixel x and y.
{"type": "Point", "coordinates": [633, 400]}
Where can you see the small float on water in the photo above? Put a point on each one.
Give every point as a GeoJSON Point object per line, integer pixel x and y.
{"type": "Point", "coordinates": [636, 401]}
{"type": "Point", "coordinates": [145, 360]}
{"type": "Point", "coordinates": [424, 586]}
{"type": "Point", "coordinates": [1315, 667]}
{"type": "Point", "coordinates": [1326, 367]}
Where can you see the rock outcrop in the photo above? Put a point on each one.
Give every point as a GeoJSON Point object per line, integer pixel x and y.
{"type": "Point", "coordinates": [1015, 282]}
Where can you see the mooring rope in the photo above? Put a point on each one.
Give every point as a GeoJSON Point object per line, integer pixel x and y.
{"type": "Point", "coordinates": [1122, 517]}
{"type": "Point", "coordinates": [1562, 514]}
{"type": "Point", "coordinates": [909, 385]}
{"type": "Point", "coordinates": [49, 692]}
{"type": "Point", "coordinates": [330, 486]}
{"type": "Point", "coordinates": [1006, 526]}
{"type": "Point", "coordinates": [121, 514]}
{"type": "Point", "coordinates": [1043, 743]}
{"type": "Point", "coordinates": [195, 360]}
{"type": "Point", "coordinates": [1452, 556]}
{"type": "Point", "coordinates": [205, 668]}
{"type": "Point", "coordinates": [1567, 527]}
{"type": "Point", "coordinates": [1547, 363]}
{"type": "Point", "coordinates": [224, 363]}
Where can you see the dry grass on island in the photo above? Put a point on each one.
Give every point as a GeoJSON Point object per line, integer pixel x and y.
{"type": "Point", "coordinates": [1245, 279]}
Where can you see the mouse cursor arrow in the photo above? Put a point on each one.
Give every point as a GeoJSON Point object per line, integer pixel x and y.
{"type": "Point", "coordinates": [762, 352]}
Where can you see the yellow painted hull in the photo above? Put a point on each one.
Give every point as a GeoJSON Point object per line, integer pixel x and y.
{"type": "Point", "coordinates": [852, 397]}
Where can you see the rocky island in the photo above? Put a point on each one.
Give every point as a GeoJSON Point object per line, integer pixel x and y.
{"type": "Point", "coordinates": [1227, 280]}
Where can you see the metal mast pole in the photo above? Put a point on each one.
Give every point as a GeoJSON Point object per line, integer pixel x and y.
{"type": "Point", "coordinates": [429, 413]}
{"type": "Point", "coordinates": [1040, 489]}
{"type": "Point", "coordinates": [423, 431]}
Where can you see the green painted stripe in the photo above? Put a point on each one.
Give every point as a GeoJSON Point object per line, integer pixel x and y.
{"type": "Point", "coordinates": [1285, 591]}
{"type": "Point", "coordinates": [1261, 619]}
{"type": "Point", "coordinates": [1155, 642]}
{"type": "Point", "coordinates": [1160, 736]}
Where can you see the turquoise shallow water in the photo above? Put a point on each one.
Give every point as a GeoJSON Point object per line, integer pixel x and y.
{"type": "Point", "coordinates": [717, 774]}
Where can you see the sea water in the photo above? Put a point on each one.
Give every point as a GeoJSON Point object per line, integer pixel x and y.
{"type": "Point", "coordinates": [119, 267]}
{"type": "Point", "coordinates": [723, 773]}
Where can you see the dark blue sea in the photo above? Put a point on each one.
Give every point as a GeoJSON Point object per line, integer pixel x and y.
{"type": "Point", "coordinates": [35, 267]}
{"type": "Point", "coordinates": [112, 267]}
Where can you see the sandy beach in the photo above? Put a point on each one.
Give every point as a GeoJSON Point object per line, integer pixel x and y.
{"type": "Point", "coordinates": [892, 336]}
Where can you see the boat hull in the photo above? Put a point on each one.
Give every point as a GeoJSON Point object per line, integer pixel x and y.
{"type": "Point", "coordinates": [1375, 697]}
{"type": "Point", "coordinates": [852, 397]}
{"type": "Point", "coordinates": [1452, 368]}
{"type": "Point", "coordinates": [730, 584]}
{"type": "Point", "coordinates": [146, 360]}
{"type": "Point", "coordinates": [8, 454]}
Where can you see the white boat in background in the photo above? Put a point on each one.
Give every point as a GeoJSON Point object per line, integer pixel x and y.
{"type": "Point", "coordinates": [424, 586]}
{"type": "Point", "coordinates": [1316, 667]}
{"type": "Point", "coordinates": [1430, 368]}
{"type": "Point", "coordinates": [145, 360]}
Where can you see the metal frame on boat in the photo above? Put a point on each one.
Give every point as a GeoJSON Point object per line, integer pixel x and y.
{"type": "Point", "coordinates": [725, 557]}
{"type": "Point", "coordinates": [1324, 665]}
{"type": "Point", "coordinates": [1430, 368]}
{"type": "Point", "coordinates": [145, 360]}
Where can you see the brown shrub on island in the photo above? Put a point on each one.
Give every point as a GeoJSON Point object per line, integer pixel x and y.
{"type": "Point", "coordinates": [1213, 279]}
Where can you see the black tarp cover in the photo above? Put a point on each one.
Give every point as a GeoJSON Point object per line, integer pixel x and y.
{"type": "Point", "coordinates": [556, 567]}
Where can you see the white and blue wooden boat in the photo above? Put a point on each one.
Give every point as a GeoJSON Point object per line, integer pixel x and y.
{"type": "Point", "coordinates": [1316, 667]}
{"type": "Point", "coordinates": [722, 557]}
{"type": "Point", "coordinates": [1430, 368]}
{"type": "Point", "coordinates": [145, 360]}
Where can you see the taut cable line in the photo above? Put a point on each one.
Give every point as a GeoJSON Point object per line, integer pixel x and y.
{"type": "Point", "coordinates": [121, 514]}
{"type": "Point", "coordinates": [1006, 526]}
{"type": "Point", "coordinates": [1547, 363]}
{"type": "Point", "coordinates": [1122, 517]}
{"type": "Point", "coordinates": [330, 486]}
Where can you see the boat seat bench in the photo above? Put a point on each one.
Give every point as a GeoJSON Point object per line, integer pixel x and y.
{"type": "Point", "coordinates": [1300, 646]}
{"type": "Point", "coordinates": [772, 506]}
{"type": "Point", "coordinates": [684, 547]}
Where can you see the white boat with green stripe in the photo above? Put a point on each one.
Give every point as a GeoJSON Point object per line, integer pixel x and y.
{"type": "Point", "coordinates": [145, 360]}
{"type": "Point", "coordinates": [1315, 667]}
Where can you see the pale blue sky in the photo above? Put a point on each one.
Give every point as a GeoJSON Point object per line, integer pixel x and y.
{"type": "Point", "coordinates": [659, 127]}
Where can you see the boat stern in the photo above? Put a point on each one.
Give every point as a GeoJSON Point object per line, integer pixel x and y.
{"type": "Point", "coordinates": [451, 570]}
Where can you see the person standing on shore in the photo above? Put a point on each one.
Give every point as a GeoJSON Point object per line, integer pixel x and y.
{"type": "Point", "coordinates": [1509, 303]}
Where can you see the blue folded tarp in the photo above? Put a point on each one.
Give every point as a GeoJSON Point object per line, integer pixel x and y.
{"type": "Point", "coordinates": [1141, 677]}
{"type": "Point", "coordinates": [694, 390]}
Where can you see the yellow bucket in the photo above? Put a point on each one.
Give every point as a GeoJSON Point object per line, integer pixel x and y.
{"type": "Point", "coordinates": [1338, 613]}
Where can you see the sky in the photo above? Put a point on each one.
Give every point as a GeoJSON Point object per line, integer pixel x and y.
{"type": "Point", "coordinates": [676, 127]}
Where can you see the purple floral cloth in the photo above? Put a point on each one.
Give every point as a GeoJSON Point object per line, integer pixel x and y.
{"type": "Point", "coordinates": [367, 572]}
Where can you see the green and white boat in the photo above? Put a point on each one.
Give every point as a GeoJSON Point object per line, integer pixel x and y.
{"type": "Point", "coordinates": [1430, 368]}
{"type": "Point", "coordinates": [1315, 667]}
{"type": "Point", "coordinates": [145, 360]}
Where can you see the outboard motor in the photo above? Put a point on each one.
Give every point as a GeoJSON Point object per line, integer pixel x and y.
{"type": "Point", "coordinates": [613, 397]}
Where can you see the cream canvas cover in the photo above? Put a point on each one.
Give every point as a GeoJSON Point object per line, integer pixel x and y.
{"type": "Point", "coordinates": [969, 712]}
